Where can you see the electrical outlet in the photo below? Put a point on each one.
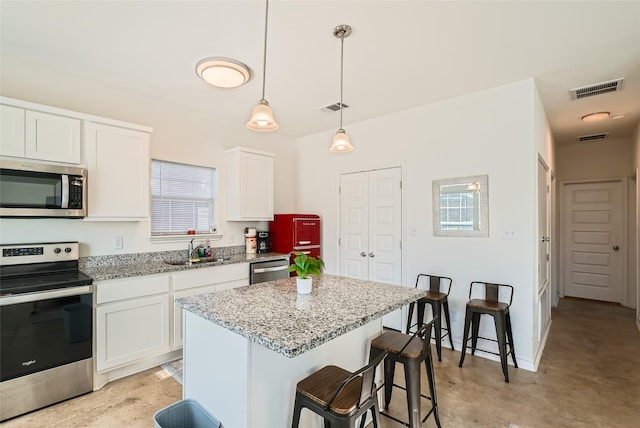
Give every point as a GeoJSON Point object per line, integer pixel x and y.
{"type": "Point", "coordinates": [117, 242]}
{"type": "Point", "coordinates": [509, 233]}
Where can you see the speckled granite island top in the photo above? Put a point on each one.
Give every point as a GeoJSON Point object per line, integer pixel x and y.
{"type": "Point", "coordinates": [275, 316]}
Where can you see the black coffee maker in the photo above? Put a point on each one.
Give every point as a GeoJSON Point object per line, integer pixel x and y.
{"type": "Point", "coordinates": [263, 242]}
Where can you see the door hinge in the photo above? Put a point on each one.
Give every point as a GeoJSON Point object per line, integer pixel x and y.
{"type": "Point", "coordinates": [401, 184]}
{"type": "Point", "coordinates": [339, 190]}
{"type": "Point", "coordinates": [339, 242]}
{"type": "Point", "coordinates": [401, 245]}
{"type": "Point", "coordinates": [548, 189]}
{"type": "Point", "coordinates": [547, 257]}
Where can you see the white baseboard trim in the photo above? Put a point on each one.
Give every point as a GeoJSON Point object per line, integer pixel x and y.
{"type": "Point", "coordinates": [102, 378]}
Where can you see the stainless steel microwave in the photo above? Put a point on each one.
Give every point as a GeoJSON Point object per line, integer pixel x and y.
{"type": "Point", "coordinates": [41, 190]}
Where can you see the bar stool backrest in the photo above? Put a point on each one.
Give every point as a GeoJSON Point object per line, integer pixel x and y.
{"type": "Point", "coordinates": [436, 283]}
{"type": "Point", "coordinates": [424, 334]}
{"type": "Point", "coordinates": [494, 292]}
{"type": "Point", "coordinates": [367, 391]}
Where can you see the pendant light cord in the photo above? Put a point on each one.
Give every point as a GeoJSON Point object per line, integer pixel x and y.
{"type": "Point", "coordinates": [264, 57]}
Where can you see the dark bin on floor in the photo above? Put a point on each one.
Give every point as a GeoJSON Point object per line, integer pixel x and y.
{"type": "Point", "coordinates": [185, 414]}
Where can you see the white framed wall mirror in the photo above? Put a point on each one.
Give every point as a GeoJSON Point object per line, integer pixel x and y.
{"type": "Point", "coordinates": [461, 206]}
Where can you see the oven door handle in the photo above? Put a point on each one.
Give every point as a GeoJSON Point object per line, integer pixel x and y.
{"type": "Point", "coordinates": [44, 295]}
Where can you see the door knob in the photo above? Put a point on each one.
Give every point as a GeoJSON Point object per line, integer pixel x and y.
{"type": "Point", "coordinates": [371, 255]}
{"type": "Point", "coordinates": [616, 248]}
{"type": "Point", "coordinates": [363, 254]}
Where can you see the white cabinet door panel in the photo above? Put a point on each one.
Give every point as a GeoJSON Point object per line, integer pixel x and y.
{"type": "Point", "coordinates": [12, 131]}
{"type": "Point", "coordinates": [118, 172]}
{"type": "Point", "coordinates": [51, 137]}
{"type": "Point", "coordinates": [130, 330]}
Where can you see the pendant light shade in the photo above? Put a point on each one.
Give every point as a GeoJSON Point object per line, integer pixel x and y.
{"type": "Point", "coordinates": [262, 119]}
{"type": "Point", "coordinates": [341, 142]}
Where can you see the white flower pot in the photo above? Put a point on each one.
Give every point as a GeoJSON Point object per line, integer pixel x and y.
{"type": "Point", "coordinates": [303, 285]}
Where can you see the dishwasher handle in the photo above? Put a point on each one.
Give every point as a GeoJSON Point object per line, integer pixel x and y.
{"type": "Point", "coordinates": [271, 269]}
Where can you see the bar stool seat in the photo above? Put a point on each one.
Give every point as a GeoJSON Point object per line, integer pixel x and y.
{"type": "Point", "coordinates": [439, 304]}
{"type": "Point", "coordinates": [411, 351]}
{"type": "Point", "coordinates": [499, 310]}
{"type": "Point", "coordinates": [339, 396]}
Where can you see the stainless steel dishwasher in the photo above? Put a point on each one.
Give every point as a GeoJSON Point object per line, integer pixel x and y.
{"type": "Point", "coordinates": [268, 271]}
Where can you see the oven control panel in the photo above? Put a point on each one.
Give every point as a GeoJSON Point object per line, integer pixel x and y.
{"type": "Point", "coordinates": [38, 253]}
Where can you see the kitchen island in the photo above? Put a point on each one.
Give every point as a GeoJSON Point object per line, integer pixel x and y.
{"type": "Point", "coordinates": [246, 348]}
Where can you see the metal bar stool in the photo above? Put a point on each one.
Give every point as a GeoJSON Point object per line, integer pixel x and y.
{"type": "Point", "coordinates": [499, 310]}
{"type": "Point", "coordinates": [437, 298]}
{"type": "Point", "coordinates": [339, 396]}
{"type": "Point", "coordinates": [411, 351]}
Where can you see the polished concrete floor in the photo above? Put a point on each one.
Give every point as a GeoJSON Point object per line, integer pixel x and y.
{"type": "Point", "coordinates": [589, 376]}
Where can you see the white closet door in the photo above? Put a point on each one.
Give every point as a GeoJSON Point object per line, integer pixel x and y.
{"type": "Point", "coordinates": [371, 229]}
{"type": "Point", "coordinates": [354, 225]}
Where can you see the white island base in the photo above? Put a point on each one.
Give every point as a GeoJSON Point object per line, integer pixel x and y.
{"type": "Point", "coordinates": [246, 385]}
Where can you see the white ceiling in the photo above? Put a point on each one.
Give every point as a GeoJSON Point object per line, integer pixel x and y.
{"type": "Point", "coordinates": [401, 54]}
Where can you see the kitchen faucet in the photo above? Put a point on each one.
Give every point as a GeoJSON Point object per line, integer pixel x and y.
{"type": "Point", "coordinates": [192, 250]}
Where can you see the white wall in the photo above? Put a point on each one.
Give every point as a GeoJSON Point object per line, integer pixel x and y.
{"type": "Point", "coordinates": [605, 159]}
{"type": "Point", "coordinates": [489, 132]}
{"type": "Point", "coordinates": [180, 135]}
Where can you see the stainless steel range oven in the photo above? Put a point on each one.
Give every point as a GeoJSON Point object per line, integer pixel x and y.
{"type": "Point", "coordinates": [46, 313]}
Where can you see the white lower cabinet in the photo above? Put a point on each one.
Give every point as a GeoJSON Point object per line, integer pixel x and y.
{"type": "Point", "coordinates": [200, 281]}
{"type": "Point", "coordinates": [132, 320]}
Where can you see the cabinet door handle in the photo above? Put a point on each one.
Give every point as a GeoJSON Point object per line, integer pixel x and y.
{"type": "Point", "coordinates": [304, 242]}
{"type": "Point", "coordinates": [371, 255]}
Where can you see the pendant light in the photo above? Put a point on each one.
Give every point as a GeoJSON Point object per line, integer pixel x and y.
{"type": "Point", "coordinates": [262, 119]}
{"type": "Point", "coordinates": [341, 143]}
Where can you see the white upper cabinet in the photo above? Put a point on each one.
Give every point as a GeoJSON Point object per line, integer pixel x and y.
{"type": "Point", "coordinates": [118, 173]}
{"type": "Point", "coordinates": [250, 185]}
{"type": "Point", "coordinates": [51, 137]}
{"type": "Point", "coordinates": [11, 131]}
{"type": "Point", "coordinates": [40, 135]}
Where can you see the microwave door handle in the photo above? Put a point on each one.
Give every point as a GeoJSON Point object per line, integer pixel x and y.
{"type": "Point", "coordinates": [65, 191]}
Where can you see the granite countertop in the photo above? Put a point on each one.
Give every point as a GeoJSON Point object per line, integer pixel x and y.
{"type": "Point", "coordinates": [137, 265]}
{"type": "Point", "coordinates": [275, 316]}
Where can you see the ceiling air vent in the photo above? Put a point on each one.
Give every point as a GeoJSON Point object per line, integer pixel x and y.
{"type": "Point", "coordinates": [593, 137]}
{"type": "Point", "coordinates": [335, 107]}
{"type": "Point", "coordinates": [596, 89]}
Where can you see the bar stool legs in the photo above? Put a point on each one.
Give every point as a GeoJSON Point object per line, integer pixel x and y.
{"type": "Point", "coordinates": [411, 356]}
{"type": "Point", "coordinates": [502, 321]}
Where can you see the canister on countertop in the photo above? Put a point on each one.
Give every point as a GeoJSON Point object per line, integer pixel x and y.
{"type": "Point", "coordinates": [250, 244]}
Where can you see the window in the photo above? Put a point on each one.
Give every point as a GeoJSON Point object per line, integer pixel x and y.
{"type": "Point", "coordinates": [182, 198]}
{"type": "Point", "coordinates": [461, 206]}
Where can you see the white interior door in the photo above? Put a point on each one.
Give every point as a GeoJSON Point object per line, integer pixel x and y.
{"type": "Point", "coordinates": [543, 226]}
{"type": "Point", "coordinates": [354, 225]}
{"type": "Point", "coordinates": [371, 229]}
{"type": "Point", "coordinates": [593, 238]}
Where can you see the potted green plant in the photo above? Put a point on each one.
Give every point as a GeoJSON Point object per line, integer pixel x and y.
{"type": "Point", "coordinates": [303, 266]}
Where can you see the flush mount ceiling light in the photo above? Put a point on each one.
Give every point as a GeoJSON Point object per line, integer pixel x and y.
{"type": "Point", "coordinates": [341, 142]}
{"type": "Point", "coordinates": [593, 117]}
{"type": "Point", "coordinates": [223, 72]}
{"type": "Point", "coordinates": [262, 119]}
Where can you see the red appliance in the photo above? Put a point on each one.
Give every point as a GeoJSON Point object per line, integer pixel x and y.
{"type": "Point", "coordinates": [295, 232]}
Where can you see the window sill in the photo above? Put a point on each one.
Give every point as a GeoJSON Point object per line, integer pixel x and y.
{"type": "Point", "coordinates": [158, 239]}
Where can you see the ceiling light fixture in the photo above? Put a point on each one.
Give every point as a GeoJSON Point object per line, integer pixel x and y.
{"type": "Point", "coordinates": [262, 119]}
{"type": "Point", "coordinates": [223, 72]}
{"type": "Point", "coordinates": [593, 117]}
{"type": "Point", "coordinates": [341, 143]}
